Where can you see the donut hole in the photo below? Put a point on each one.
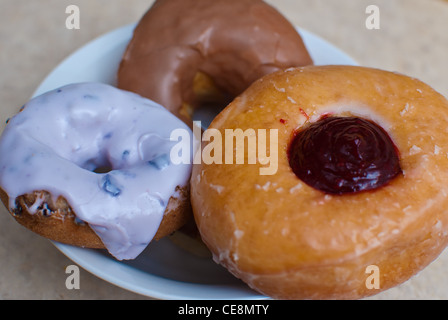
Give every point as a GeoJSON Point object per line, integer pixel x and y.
{"type": "Point", "coordinates": [103, 169]}
{"type": "Point", "coordinates": [209, 100]}
{"type": "Point", "coordinates": [98, 165]}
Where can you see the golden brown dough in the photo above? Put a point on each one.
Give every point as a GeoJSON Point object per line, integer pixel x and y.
{"type": "Point", "coordinates": [57, 221]}
{"type": "Point", "coordinates": [291, 241]}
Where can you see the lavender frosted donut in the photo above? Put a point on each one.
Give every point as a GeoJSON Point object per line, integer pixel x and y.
{"type": "Point", "coordinates": [50, 177]}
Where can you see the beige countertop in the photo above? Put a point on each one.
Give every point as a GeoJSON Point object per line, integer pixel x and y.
{"type": "Point", "coordinates": [412, 39]}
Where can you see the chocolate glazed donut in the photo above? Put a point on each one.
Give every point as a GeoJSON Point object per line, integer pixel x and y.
{"type": "Point", "coordinates": [232, 42]}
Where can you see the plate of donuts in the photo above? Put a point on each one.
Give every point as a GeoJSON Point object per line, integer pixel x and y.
{"type": "Point", "coordinates": [164, 270]}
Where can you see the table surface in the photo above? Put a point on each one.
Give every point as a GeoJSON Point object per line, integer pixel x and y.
{"type": "Point", "coordinates": [412, 39]}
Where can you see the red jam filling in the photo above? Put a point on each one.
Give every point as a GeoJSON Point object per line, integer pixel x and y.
{"type": "Point", "coordinates": [340, 155]}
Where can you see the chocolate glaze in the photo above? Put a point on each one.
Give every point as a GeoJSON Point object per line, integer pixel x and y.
{"type": "Point", "coordinates": [234, 42]}
{"type": "Point", "coordinates": [341, 155]}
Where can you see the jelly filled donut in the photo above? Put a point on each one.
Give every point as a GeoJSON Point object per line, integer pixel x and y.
{"type": "Point", "coordinates": [89, 165]}
{"type": "Point", "coordinates": [361, 184]}
{"type": "Point", "coordinates": [190, 52]}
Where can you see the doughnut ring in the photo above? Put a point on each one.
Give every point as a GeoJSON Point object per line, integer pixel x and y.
{"type": "Point", "coordinates": [89, 165]}
{"type": "Point", "coordinates": [185, 53]}
{"type": "Point", "coordinates": [312, 229]}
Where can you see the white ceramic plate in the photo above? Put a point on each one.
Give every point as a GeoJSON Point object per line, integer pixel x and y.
{"type": "Point", "coordinates": [163, 270]}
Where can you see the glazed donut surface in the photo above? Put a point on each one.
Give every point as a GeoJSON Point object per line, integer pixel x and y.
{"type": "Point", "coordinates": [92, 157]}
{"type": "Point", "coordinates": [231, 42]}
{"type": "Point", "coordinates": [287, 239]}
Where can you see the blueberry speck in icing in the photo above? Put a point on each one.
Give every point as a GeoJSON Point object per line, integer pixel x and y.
{"type": "Point", "coordinates": [125, 154]}
{"type": "Point", "coordinates": [109, 186]}
{"type": "Point", "coordinates": [160, 162]}
{"type": "Point", "coordinates": [90, 97]}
